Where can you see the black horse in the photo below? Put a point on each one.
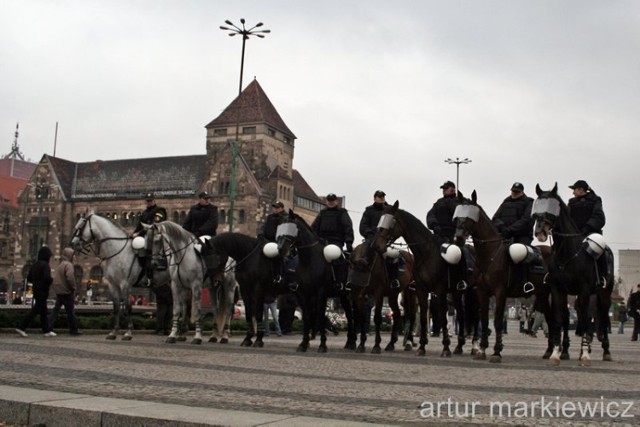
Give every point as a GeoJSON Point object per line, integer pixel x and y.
{"type": "Point", "coordinates": [316, 280]}
{"type": "Point", "coordinates": [496, 275]}
{"type": "Point", "coordinates": [369, 278]}
{"type": "Point", "coordinates": [431, 272]}
{"type": "Point", "coordinates": [254, 274]}
{"type": "Point", "coordinates": [573, 271]}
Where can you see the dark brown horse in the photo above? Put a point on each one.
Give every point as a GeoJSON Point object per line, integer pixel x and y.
{"type": "Point", "coordinates": [431, 272]}
{"type": "Point", "coordinates": [496, 274]}
{"type": "Point", "coordinates": [370, 279]}
{"type": "Point", "coordinates": [573, 271]}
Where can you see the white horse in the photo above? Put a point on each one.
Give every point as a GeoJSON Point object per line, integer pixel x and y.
{"type": "Point", "coordinates": [222, 297]}
{"type": "Point", "coordinates": [187, 271]}
{"type": "Point", "coordinates": [123, 269]}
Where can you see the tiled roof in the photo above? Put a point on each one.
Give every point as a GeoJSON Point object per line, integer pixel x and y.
{"type": "Point", "coordinates": [10, 187]}
{"type": "Point", "coordinates": [170, 176]}
{"type": "Point", "coordinates": [302, 189]}
{"type": "Point", "coordinates": [16, 168]}
{"type": "Point", "coordinates": [252, 106]}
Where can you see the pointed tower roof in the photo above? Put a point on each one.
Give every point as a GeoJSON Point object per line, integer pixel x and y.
{"type": "Point", "coordinates": [251, 106]}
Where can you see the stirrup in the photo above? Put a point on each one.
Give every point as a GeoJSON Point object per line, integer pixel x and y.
{"type": "Point", "coordinates": [412, 285]}
{"type": "Point", "coordinates": [293, 286]}
{"type": "Point", "coordinates": [528, 287]}
{"type": "Point", "coordinates": [277, 280]}
{"type": "Point", "coordinates": [348, 286]}
{"type": "Point", "coordinates": [395, 284]}
{"type": "Point", "coordinates": [462, 285]}
{"type": "Point", "coordinates": [339, 286]}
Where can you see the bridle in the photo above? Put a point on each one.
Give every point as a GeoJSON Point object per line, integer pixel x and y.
{"type": "Point", "coordinates": [93, 244]}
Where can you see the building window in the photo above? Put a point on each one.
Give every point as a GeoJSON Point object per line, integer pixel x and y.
{"type": "Point", "coordinates": [6, 223]}
{"type": "Point", "coordinates": [78, 273]}
{"type": "Point", "coordinates": [220, 132]}
{"type": "Point", "coordinates": [95, 275]}
{"type": "Point", "coordinates": [176, 217]}
{"type": "Point", "coordinates": [222, 217]}
{"type": "Point", "coordinates": [241, 216]}
{"type": "Point", "coordinates": [271, 132]}
{"type": "Point", "coordinates": [287, 140]}
{"type": "Point", "coordinates": [249, 130]}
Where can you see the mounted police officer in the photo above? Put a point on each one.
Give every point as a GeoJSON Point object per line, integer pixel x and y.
{"type": "Point", "coordinates": [147, 217]}
{"type": "Point", "coordinates": [202, 220]}
{"type": "Point", "coordinates": [585, 208]}
{"type": "Point", "coordinates": [269, 230]}
{"type": "Point", "coordinates": [440, 221]}
{"type": "Point", "coordinates": [333, 225]}
{"type": "Point", "coordinates": [369, 226]}
{"type": "Point", "coordinates": [513, 220]}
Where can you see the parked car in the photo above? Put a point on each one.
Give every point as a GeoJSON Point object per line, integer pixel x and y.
{"type": "Point", "coordinates": [573, 318]}
{"type": "Point", "coordinates": [387, 315]}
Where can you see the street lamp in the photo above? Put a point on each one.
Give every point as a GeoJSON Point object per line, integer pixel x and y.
{"type": "Point", "coordinates": [246, 33]}
{"type": "Point", "coordinates": [457, 162]}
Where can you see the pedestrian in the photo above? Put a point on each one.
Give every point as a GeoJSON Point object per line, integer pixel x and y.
{"type": "Point", "coordinates": [270, 305]}
{"type": "Point", "coordinates": [622, 317]}
{"type": "Point", "coordinates": [634, 311]}
{"type": "Point", "coordinates": [40, 277]}
{"type": "Point", "coordinates": [523, 317]}
{"type": "Point", "coordinates": [64, 286]}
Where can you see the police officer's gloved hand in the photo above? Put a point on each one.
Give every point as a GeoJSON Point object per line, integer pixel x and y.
{"type": "Point", "coordinates": [437, 230]}
{"type": "Point", "coordinates": [506, 233]}
{"type": "Point", "coordinates": [349, 247]}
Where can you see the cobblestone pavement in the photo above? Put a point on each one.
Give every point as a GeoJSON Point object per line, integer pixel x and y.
{"type": "Point", "coordinates": [392, 388]}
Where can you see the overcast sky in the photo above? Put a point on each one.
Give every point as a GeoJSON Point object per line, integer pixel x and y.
{"type": "Point", "coordinates": [378, 93]}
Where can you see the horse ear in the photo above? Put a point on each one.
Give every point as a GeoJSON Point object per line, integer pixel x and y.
{"type": "Point", "coordinates": [554, 190]}
{"type": "Point", "coordinates": [474, 196]}
{"type": "Point", "coordinates": [538, 190]}
{"type": "Point", "coordinates": [396, 204]}
{"type": "Point", "coordinates": [460, 197]}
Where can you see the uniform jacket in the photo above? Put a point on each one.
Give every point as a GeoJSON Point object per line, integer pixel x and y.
{"type": "Point", "coordinates": [335, 226]}
{"type": "Point", "coordinates": [271, 224]}
{"type": "Point", "coordinates": [202, 220]}
{"type": "Point", "coordinates": [587, 213]}
{"type": "Point", "coordinates": [370, 219]}
{"type": "Point", "coordinates": [513, 218]}
{"type": "Point", "coordinates": [146, 217]}
{"type": "Point", "coordinates": [40, 274]}
{"type": "Point", "coordinates": [440, 217]}
{"type": "Point", "coordinates": [64, 279]}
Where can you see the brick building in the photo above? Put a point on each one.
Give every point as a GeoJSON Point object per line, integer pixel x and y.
{"type": "Point", "coordinates": [60, 191]}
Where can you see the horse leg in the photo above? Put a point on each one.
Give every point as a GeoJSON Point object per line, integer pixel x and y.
{"type": "Point", "coordinates": [498, 320]}
{"type": "Point", "coordinates": [483, 301]}
{"type": "Point", "coordinates": [258, 318]}
{"type": "Point", "coordinates": [460, 321]}
{"type": "Point", "coordinates": [377, 321]}
{"type": "Point", "coordinates": [362, 321]}
{"type": "Point", "coordinates": [127, 310]}
{"type": "Point", "coordinates": [197, 309]}
{"type": "Point", "coordinates": [603, 312]}
{"type": "Point", "coordinates": [183, 326]}
{"type": "Point", "coordinates": [559, 307]}
{"type": "Point", "coordinates": [322, 322]}
{"type": "Point", "coordinates": [306, 324]}
{"type": "Point", "coordinates": [395, 329]}
{"type": "Point", "coordinates": [446, 340]}
{"type": "Point", "coordinates": [424, 311]}
{"type": "Point", "coordinates": [587, 329]}
{"type": "Point", "coordinates": [116, 319]}
{"type": "Point", "coordinates": [350, 313]}
{"type": "Point", "coordinates": [177, 317]}
{"type": "Point", "coordinates": [249, 320]}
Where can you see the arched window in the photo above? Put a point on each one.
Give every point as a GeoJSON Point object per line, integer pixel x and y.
{"type": "Point", "coordinates": [222, 216]}
{"type": "Point", "coordinates": [176, 217]}
{"type": "Point", "coordinates": [78, 273]}
{"type": "Point", "coordinates": [96, 273]}
{"type": "Point", "coordinates": [241, 216]}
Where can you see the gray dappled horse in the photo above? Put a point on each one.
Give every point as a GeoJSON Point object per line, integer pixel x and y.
{"type": "Point", "coordinates": [187, 271]}
{"type": "Point", "coordinates": [122, 269]}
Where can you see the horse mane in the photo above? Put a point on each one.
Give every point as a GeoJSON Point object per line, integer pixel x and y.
{"type": "Point", "coordinates": [301, 221]}
{"type": "Point", "coordinates": [118, 226]}
{"type": "Point", "coordinates": [175, 231]}
{"type": "Point", "coordinates": [234, 242]}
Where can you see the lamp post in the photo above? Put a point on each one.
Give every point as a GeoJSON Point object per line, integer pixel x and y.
{"type": "Point", "coordinates": [246, 33]}
{"type": "Point", "coordinates": [457, 162]}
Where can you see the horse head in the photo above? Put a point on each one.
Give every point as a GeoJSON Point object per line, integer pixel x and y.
{"type": "Point", "coordinates": [388, 230]}
{"type": "Point", "coordinates": [546, 212]}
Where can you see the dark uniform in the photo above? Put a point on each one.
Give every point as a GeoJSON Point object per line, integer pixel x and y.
{"type": "Point", "coordinates": [370, 219]}
{"type": "Point", "coordinates": [333, 224]}
{"type": "Point", "coordinates": [146, 217]}
{"type": "Point", "coordinates": [513, 217]}
{"type": "Point", "coordinates": [440, 217]}
{"type": "Point", "coordinates": [634, 306]}
{"type": "Point", "coordinates": [202, 219]}
{"type": "Point", "coordinates": [271, 225]}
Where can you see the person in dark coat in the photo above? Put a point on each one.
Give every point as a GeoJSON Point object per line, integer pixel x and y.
{"type": "Point", "coordinates": [634, 311]}
{"type": "Point", "coordinates": [164, 308]}
{"type": "Point", "coordinates": [202, 219]}
{"type": "Point", "coordinates": [333, 225]}
{"type": "Point", "coordinates": [40, 276]}
{"type": "Point", "coordinates": [585, 208]}
{"type": "Point", "coordinates": [513, 217]}
{"type": "Point", "coordinates": [273, 220]}
{"type": "Point", "coordinates": [372, 214]}
{"type": "Point", "coordinates": [440, 216]}
{"type": "Point", "coordinates": [148, 215]}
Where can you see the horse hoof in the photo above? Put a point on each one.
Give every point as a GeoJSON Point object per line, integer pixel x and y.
{"type": "Point", "coordinates": [474, 351]}
{"type": "Point", "coordinates": [420, 352]}
{"type": "Point", "coordinates": [408, 347]}
{"type": "Point", "coordinates": [376, 350]}
{"type": "Point", "coordinates": [127, 338]}
{"type": "Point", "coordinates": [554, 361]}
{"type": "Point", "coordinates": [111, 337]}
{"type": "Point", "coordinates": [360, 349]}
{"type": "Point", "coordinates": [445, 353]}
{"type": "Point", "coordinates": [170, 340]}
{"type": "Point", "coordinates": [246, 343]}
{"type": "Point", "coordinates": [495, 359]}
{"type": "Point", "coordinates": [224, 340]}
{"type": "Point", "coordinates": [258, 344]}
{"type": "Point", "coordinates": [457, 350]}
{"type": "Point", "coordinates": [546, 355]}
{"type": "Point", "coordinates": [564, 356]}
{"type": "Point", "coordinates": [350, 346]}
{"type": "Point", "coordinates": [480, 356]}
{"type": "Point", "coordinates": [181, 338]}
{"type": "Point", "coordinates": [390, 347]}
{"type": "Point", "coordinates": [213, 339]}
{"type": "Point", "coordinates": [196, 341]}
{"type": "Point", "coordinates": [585, 362]}
{"type": "Point", "coordinates": [301, 349]}
{"type": "Point", "coordinates": [322, 349]}
{"type": "Point", "coordinates": [607, 357]}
